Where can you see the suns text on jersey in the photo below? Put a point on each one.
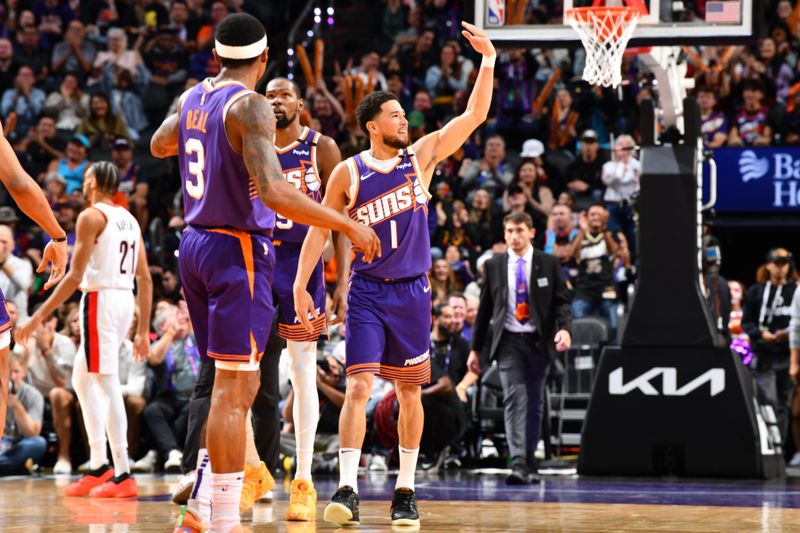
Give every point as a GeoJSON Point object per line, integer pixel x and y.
{"type": "Point", "coordinates": [390, 204]}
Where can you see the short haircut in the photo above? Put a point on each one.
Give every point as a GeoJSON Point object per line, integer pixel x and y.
{"type": "Point", "coordinates": [518, 218]}
{"type": "Point", "coordinates": [456, 294]}
{"type": "Point", "coordinates": [295, 86]}
{"type": "Point", "coordinates": [596, 204]}
{"type": "Point", "coordinates": [239, 29]}
{"type": "Point", "coordinates": [565, 206]}
{"type": "Point", "coordinates": [752, 85]}
{"type": "Point", "coordinates": [370, 107]}
{"type": "Point", "coordinates": [706, 89]}
{"type": "Point", "coordinates": [107, 175]}
{"type": "Point", "coordinates": [438, 309]}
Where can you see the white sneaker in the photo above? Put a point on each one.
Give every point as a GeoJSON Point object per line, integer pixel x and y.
{"type": "Point", "coordinates": [62, 468]}
{"type": "Point", "coordinates": [377, 463]}
{"type": "Point", "coordinates": [146, 463]}
{"type": "Point", "coordinates": [488, 449]}
{"type": "Point", "coordinates": [795, 462]}
{"type": "Point", "coordinates": [184, 488]}
{"type": "Point", "coordinates": [173, 462]}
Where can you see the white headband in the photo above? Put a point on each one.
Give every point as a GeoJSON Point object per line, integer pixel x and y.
{"type": "Point", "coordinates": [241, 52]}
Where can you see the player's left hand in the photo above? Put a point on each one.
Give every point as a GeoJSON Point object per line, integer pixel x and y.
{"type": "Point", "coordinates": [563, 340]}
{"type": "Point", "coordinates": [478, 39]}
{"type": "Point", "coordinates": [23, 331]}
{"type": "Point", "coordinates": [339, 305]}
{"type": "Point", "coordinates": [304, 307]}
{"type": "Point", "coordinates": [56, 254]}
{"type": "Point", "coordinates": [141, 347]}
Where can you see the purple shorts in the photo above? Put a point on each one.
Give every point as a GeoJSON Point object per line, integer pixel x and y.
{"type": "Point", "coordinates": [227, 282]}
{"type": "Point", "coordinates": [5, 320]}
{"type": "Point", "coordinates": [388, 328]}
{"type": "Point", "coordinates": [287, 255]}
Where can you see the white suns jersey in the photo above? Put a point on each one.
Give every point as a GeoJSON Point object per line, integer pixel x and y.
{"type": "Point", "coordinates": [116, 251]}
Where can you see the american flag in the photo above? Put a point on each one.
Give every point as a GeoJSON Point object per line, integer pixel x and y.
{"type": "Point", "coordinates": [723, 12]}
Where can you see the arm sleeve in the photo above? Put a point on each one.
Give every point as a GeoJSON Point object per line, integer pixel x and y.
{"type": "Point", "coordinates": [794, 323]}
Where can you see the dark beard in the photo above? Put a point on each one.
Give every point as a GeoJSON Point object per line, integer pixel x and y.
{"type": "Point", "coordinates": [283, 123]}
{"type": "Point", "coordinates": [396, 143]}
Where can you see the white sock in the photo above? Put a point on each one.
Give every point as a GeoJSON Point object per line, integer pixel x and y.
{"type": "Point", "coordinates": [305, 410]}
{"type": "Point", "coordinates": [226, 490]}
{"type": "Point", "coordinates": [97, 453]}
{"type": "Point", "coordinates": [349, 458]}
{"type": "Point", "coordinates": [200, 499]}
{"type": "Point", "coordinates": [408, 466]}
{"type": "Point", "coordinates": [122, 463]}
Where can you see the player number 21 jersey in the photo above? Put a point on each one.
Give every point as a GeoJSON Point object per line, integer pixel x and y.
{"type": "Point", "coordinates": [116, 252]}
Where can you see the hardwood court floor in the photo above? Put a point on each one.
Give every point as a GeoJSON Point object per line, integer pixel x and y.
{"type": "Point", "coordinates": [461, 504]}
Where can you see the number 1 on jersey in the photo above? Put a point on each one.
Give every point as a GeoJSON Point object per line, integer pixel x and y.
{"type": "Point", "coordinates": [393, 230]}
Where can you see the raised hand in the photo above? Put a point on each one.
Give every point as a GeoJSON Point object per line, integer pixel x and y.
{"type": "Point", "coordinates": [478, 39]}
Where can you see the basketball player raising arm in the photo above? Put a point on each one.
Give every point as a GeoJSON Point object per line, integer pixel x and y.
{"type": "Point", "coordinates": [429, 150]}
{"type": "Point", "coordinates": [31, 200]}
{"type": "Point", "coordinates": [388, 313]}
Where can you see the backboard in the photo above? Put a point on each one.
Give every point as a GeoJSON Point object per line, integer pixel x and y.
{"type": "Point", "coordinates": [669, 22]}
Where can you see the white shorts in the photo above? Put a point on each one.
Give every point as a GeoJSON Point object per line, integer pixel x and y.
{"type": "Point", "coordinates": [106, 318]}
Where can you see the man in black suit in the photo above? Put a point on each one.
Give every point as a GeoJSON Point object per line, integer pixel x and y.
{"type": "Point", "coordinates": [525, 311]}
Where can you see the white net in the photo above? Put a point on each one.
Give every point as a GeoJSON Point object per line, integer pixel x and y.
{"type": "Point", "coordinates": [605, 33]}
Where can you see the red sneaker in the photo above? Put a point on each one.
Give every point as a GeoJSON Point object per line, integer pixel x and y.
{"type": "Point", "coordinates": [123, 486]}
{"type": "Point", "coordinates": [86, 483]}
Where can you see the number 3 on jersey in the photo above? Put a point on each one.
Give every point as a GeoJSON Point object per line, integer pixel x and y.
{"type": "Point", "coordinates": [196, 190]}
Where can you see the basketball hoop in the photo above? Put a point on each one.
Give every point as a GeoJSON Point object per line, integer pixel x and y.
{"type": "Point", "coordinates": [604, 32]}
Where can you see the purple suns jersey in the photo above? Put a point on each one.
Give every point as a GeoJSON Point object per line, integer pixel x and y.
{"type": "Point", "coordinates": [217, 189]}
{"type": "Point", "coordinates": [394, 203]}
{"type": "Point", "coordinates": [299, 164]}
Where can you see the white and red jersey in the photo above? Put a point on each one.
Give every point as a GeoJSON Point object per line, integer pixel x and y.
{"type": "Point", "coordinates": [116, 251]}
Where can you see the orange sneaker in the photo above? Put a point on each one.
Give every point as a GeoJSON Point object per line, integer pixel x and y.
{"type": "Point", "coordinates": [265, 480]}
{"type": "Point", "coordinates": [302, 501]}
{"type": "Point", "coordinates": [189, 522]}
{"type": "Point", "coordinates": [248, 496]}
{"type": "Point", "coordinates": [257, 482]}
{"type": "Point", "coordinates": [123, 486]}
{"type": "Point", "coordinates": [86, 483]}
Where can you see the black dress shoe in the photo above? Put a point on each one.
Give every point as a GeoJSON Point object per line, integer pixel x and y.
{"type": "Point", "coordinates": [519, 476]}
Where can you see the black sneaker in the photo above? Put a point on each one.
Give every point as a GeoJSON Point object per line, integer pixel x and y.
{"type": "Point", "coordinates": [343, 509]}
{"type": "Point", "coordinates": [404, 508]}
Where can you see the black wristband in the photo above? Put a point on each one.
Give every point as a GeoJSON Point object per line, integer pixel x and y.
{"type": "Point", "coordinates": [60, 239]}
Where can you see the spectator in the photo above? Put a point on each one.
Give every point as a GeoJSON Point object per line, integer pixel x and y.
{"type": "Point", "coordinates": [714, 123]}
{"type": "Point", "coordinates": [560, 233]}
{"type": "Point", "coordinates": [583, 176]}
{"type": "Point", "coordinates": [74, 163]}
{"type": "Point", "coordinates": [167, 61]}
{"type": "Point", "coordinates": [449, 350]}
{"type": "Point", "coordinates": [447, 78]}
{"type": "Point", "coordinates": [75, 53]}
{"type": "Point", "coordinates": [72, 326]}
{"type": "Point", "coordinates": [443, 280]}
{"type": "Point", "coordinates": [118, 56]}
{"type": "Point", "coordinates": [25, 99]}
{"type": "Point", "coordinates": [126, 100]}
{"type": "Point", "coordinates": [368, 70]}
{"type": "Point", "coordinates": [765, 319]}
{"type": "Point", "coordinates": [458, 307]}
{"type": "Point", "coordinates": [517, 119]}
{"type": "Point", "coordinates": [205, 37]}
{"type": "Point", "coordinates": [23, 423]}
{"type": "Point", "coordinates": [417, 59]}
{"type": "Point", "coordinates": [469, 315]}
{"type": "Point", "coordinates": [621, 177]}
{"type": "Point", "coordinates": [102, 126]}
{"type": "Point", "coordinates": [185, 32]}
{"type": "Point", "coordinates": [8, 65]}
{"type": "Point", "coordinates": [49, 357]}
{"type": "Point", "coordinates": [774, 68]}
{"type": "Point", "coordinates": [563, 122]}
{"type": "Point", "coordinates": [794, 373]}
{"type": "Point", "coordinates": [484, 222]}
{"type": "Point", "coordinates": [176, 360]}
{"type": "Point", "coordinates": [69, 105]}
{"type": "Point", "coordinates": [133, 186]}
{"type": "Point", "coordinates": [529, 178]}
{"type": "Point", "coordinates": [53, 17]}
{"type": "Point", "coordinates": [30, 53]}
{"type": "Point", "coordinates": [445, 419]}
{"type": "Point", "coordinates": [492, 171]}
{"type": "Point", "coordinates": [55, 189]}
{"type": "Point", "coordinates": [43, 147]}
{"type": "Point", "coordinates": [751, 125]}
{"type": "Point", "coordinates": [595, 250]}
{"type": "Point", "coordinates": [16, 274]}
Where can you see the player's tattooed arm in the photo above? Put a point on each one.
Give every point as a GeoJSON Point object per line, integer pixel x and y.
{"type": "Point", "coordinates": [441, 144]}
{"type": "Point", "coordinates": [250, 125]}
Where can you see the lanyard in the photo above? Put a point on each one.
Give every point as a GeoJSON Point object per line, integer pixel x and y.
{"type": "Point", "coordinates": [765, 318]}
{"type": "Point", "coordinates": [449, 350]}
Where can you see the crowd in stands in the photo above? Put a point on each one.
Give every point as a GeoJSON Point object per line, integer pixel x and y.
{"type": "Point", "coordinates": [91, 80]}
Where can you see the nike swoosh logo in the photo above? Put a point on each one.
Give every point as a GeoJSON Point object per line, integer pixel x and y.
{"type": "Point", "coordinates": [367, 175]}
{"type": "Point", "coordinates": [427, 289]}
